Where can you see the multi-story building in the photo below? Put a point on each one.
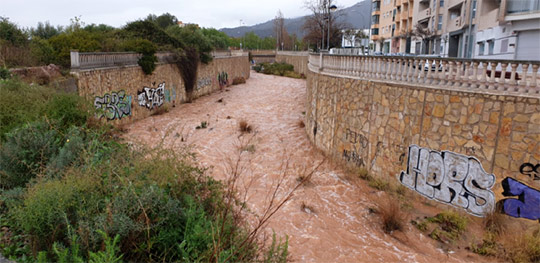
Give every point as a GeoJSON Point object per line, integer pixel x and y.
{"type": "Point", "coordinates": [444, 27]}
{"type": "Point", "coordinates": [509, 29]}
{"type": "Point", "coordinates": [391, 25]}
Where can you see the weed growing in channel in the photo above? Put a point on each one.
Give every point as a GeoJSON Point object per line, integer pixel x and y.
{"type": "Point", "coordinates": [392, 217]}
{"type": "Point", "coordinates": [245, 127]}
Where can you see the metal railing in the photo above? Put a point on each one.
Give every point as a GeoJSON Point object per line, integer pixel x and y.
{"type": "Point", "coordinates": [503, 75]}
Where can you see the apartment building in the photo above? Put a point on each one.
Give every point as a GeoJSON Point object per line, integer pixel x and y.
{"type": "Point", "coordinates": [509, 29]}
{"type": "Point", "coordinates": [391, 25]}
{"type": "Point", "coordinates": [496, 29]}
{"type": "Point", "coordinates": [444, 27]}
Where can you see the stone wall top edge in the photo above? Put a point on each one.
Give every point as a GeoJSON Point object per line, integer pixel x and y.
{"type": "Point", "coordinates": [484, 92]}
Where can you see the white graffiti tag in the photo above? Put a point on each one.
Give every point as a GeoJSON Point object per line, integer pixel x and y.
{"type": "Point", "coordinates": [150, 97]}
{"type": "Point", "coordinates": [450, 178]}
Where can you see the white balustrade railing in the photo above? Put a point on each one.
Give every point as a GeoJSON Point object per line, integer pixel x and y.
{"type": "Point", "coordinates": [117, 59]}
{"type": "Point", "coordinates": [503, 75]}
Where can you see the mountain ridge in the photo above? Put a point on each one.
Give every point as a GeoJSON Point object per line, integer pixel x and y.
{"type": "Point", "coordinates": [356, 16]}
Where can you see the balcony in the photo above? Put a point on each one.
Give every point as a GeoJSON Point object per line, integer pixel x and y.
{"type": "Point", "coordinates": [455, 24]}
{"type": "Point", "coordinates": [423, 14]}
{"type": "Point", "coordinates": [521, 6]}
{"type": "Point", "coordinates": [454, 3]}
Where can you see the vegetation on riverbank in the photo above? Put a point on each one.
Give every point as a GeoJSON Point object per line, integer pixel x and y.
{"type": "Point", "coordinates": [70, 191]}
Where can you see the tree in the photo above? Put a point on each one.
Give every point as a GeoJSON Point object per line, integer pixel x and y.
{"type": "Point", "coordinates": [316, 25]}
{"type": "Point", "coordinates": [218, 39]}
{"type": "Point", "coordinates": [192, 36]}
{"type": "Point", "coordinates": [425, 34]}
{"type": "Point", "coordinates": [11, 33]}
{"type": "Point", "coordinates": [279, 29]}
{"type": "Point", "coordinates": [45, 30]}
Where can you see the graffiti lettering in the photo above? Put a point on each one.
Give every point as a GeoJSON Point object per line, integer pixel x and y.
{"type": "Point", "coordinates": [354, 157]}
{"type": "Point", "coordinates": [354, 137]}
{"type": "Point", "coordinates": [114, 106]}
{"type": "Point", "coordinates": [528, 203]}
{"type": "Point", "coordinates": [450, 178]}
{"type": "Point", "coordinates": [533, 171]}
{"type": "Point", "coordinates": [201, 83]}
{"type": "Point", "coordinates": [170, 95]}
{"type": "Point", "coordinates": [223, 79]}
{"type": "Point", "coordinates": [152, 97]}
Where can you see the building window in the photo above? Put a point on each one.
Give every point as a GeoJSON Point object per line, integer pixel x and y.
{"type": "Point", "coordinates": [491, 47]}
{"type": "Point", "coordinates": [473, 9]}
{"type": "Point", "coordinates": [480, 48]}
{"type": "Point", "coordinates": [376, 6]}
{"type": "Point", "coordinates": [522, 6]}
{"type": "Point", "coordinates": [441, 3]}
{"type": "Point", "coordinates": [375, 19]}
{"type": "Point", "coordinates": [439, 25]}
{"type": "Point", "coordinates": [375, 31]}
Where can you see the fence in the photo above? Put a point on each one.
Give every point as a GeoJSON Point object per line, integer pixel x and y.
{"type": "Point", "coordinates": [508, 76]}
{"type": "Point", "coordinates": [92, 60]}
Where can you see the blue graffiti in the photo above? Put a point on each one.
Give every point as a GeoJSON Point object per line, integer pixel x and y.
{"type": "Point", "coordinates": [527, 205]}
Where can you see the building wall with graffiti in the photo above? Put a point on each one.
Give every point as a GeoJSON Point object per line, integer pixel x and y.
{"type": "Point", "coordinates": [125, 94]}
{"type": "Point", "coordinates": [477, 151]}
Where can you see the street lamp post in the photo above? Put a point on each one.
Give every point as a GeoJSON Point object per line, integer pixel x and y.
{"type": "Point", "coordinates": [328, 8]}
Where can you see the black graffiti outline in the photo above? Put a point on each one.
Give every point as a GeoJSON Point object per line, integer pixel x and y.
{"type": "Point", "coordinates": [355, 137]}
{"type": "Point", "coordinates": [530, 170]}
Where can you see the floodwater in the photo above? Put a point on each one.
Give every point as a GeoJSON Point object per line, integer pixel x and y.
{"type": "Point", "coordinates": [328, 219]}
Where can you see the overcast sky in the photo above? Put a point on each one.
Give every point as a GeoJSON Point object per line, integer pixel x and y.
{"type": "Point", "coordinates": [206, 13]}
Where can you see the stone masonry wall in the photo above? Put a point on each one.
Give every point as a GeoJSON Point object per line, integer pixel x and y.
{"type": "Point", "coordinates": [126, 94]}
{"type": "Point", "coordinates": [373, 124]}
{"type": "Point", "coordinates": [300, 62]}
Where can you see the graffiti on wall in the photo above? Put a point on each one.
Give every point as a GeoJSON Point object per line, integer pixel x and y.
{"type": "Point", "coordinates": [203, 82]}
{"type": "Point", "coordinates": [223, 79]}
{"type": "Point", "coordinates": [113, 106]}
{"type": "Point", "coordinates": [527, 204]}
{"type": "Point", "coordinates": [354, 157]}
{"type": "Point", "coordinates": [359, 142]}
{"type": "Point", "coordinates": [356, 138]}
{"type": "Point", "coordinates": [450, 178]}
{"type": "Point", "coordinates": [152, 97]}
{"type": "Point", "coordinates": [170, 95]}
{"type": "Point", "coordinates": [531, 170]}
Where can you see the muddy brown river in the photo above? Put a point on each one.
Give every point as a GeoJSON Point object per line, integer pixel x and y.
{"type": "Point", "coordinates": [328, 219]}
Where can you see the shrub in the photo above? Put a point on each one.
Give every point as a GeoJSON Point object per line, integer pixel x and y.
{"type": "Point", "coordinates": [20, 103]}
{"type": "Point", "coordinates": [244, 126]}
{"type": "Point", "coordinates": [392, 218]}
{"type": "Point", "coordinates": [26, 153]}
{"type": "Point", "coordinates": [161, 207]}
{"type": "Point", "coordinates": [4, 73]}
{"type": "Point", "coordinates": [495, 222]}
{"type": "Point", "coordinates": [522, 247]}
{"type": "Point", "coordinates": [67, 110]}
{"type": "Point", "coordinates": [451, 226]}
{"type": "Point", "coordinates": [379, 183]}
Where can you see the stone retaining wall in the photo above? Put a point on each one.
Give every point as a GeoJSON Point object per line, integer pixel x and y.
{"type": "Point", "coordinates": [126, 94]}
{"type": "Point", "coordinates": [376, 124]}
{"type": "Point", "coordinates": [298, 59]}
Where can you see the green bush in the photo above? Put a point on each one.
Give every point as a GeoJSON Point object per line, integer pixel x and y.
{"type": "Point", "coordinates": [68, 110]}
{"type": "Point", "coordinates": [20, 103]}
{"type": "Point", "coordinates": [4, 73]}
{"type": "Point", "coordinates": [280, 69]}
{"type": "Point", "coordinates": [161, 207]}
{"type": "Point", "coordinates": [26, 153]}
